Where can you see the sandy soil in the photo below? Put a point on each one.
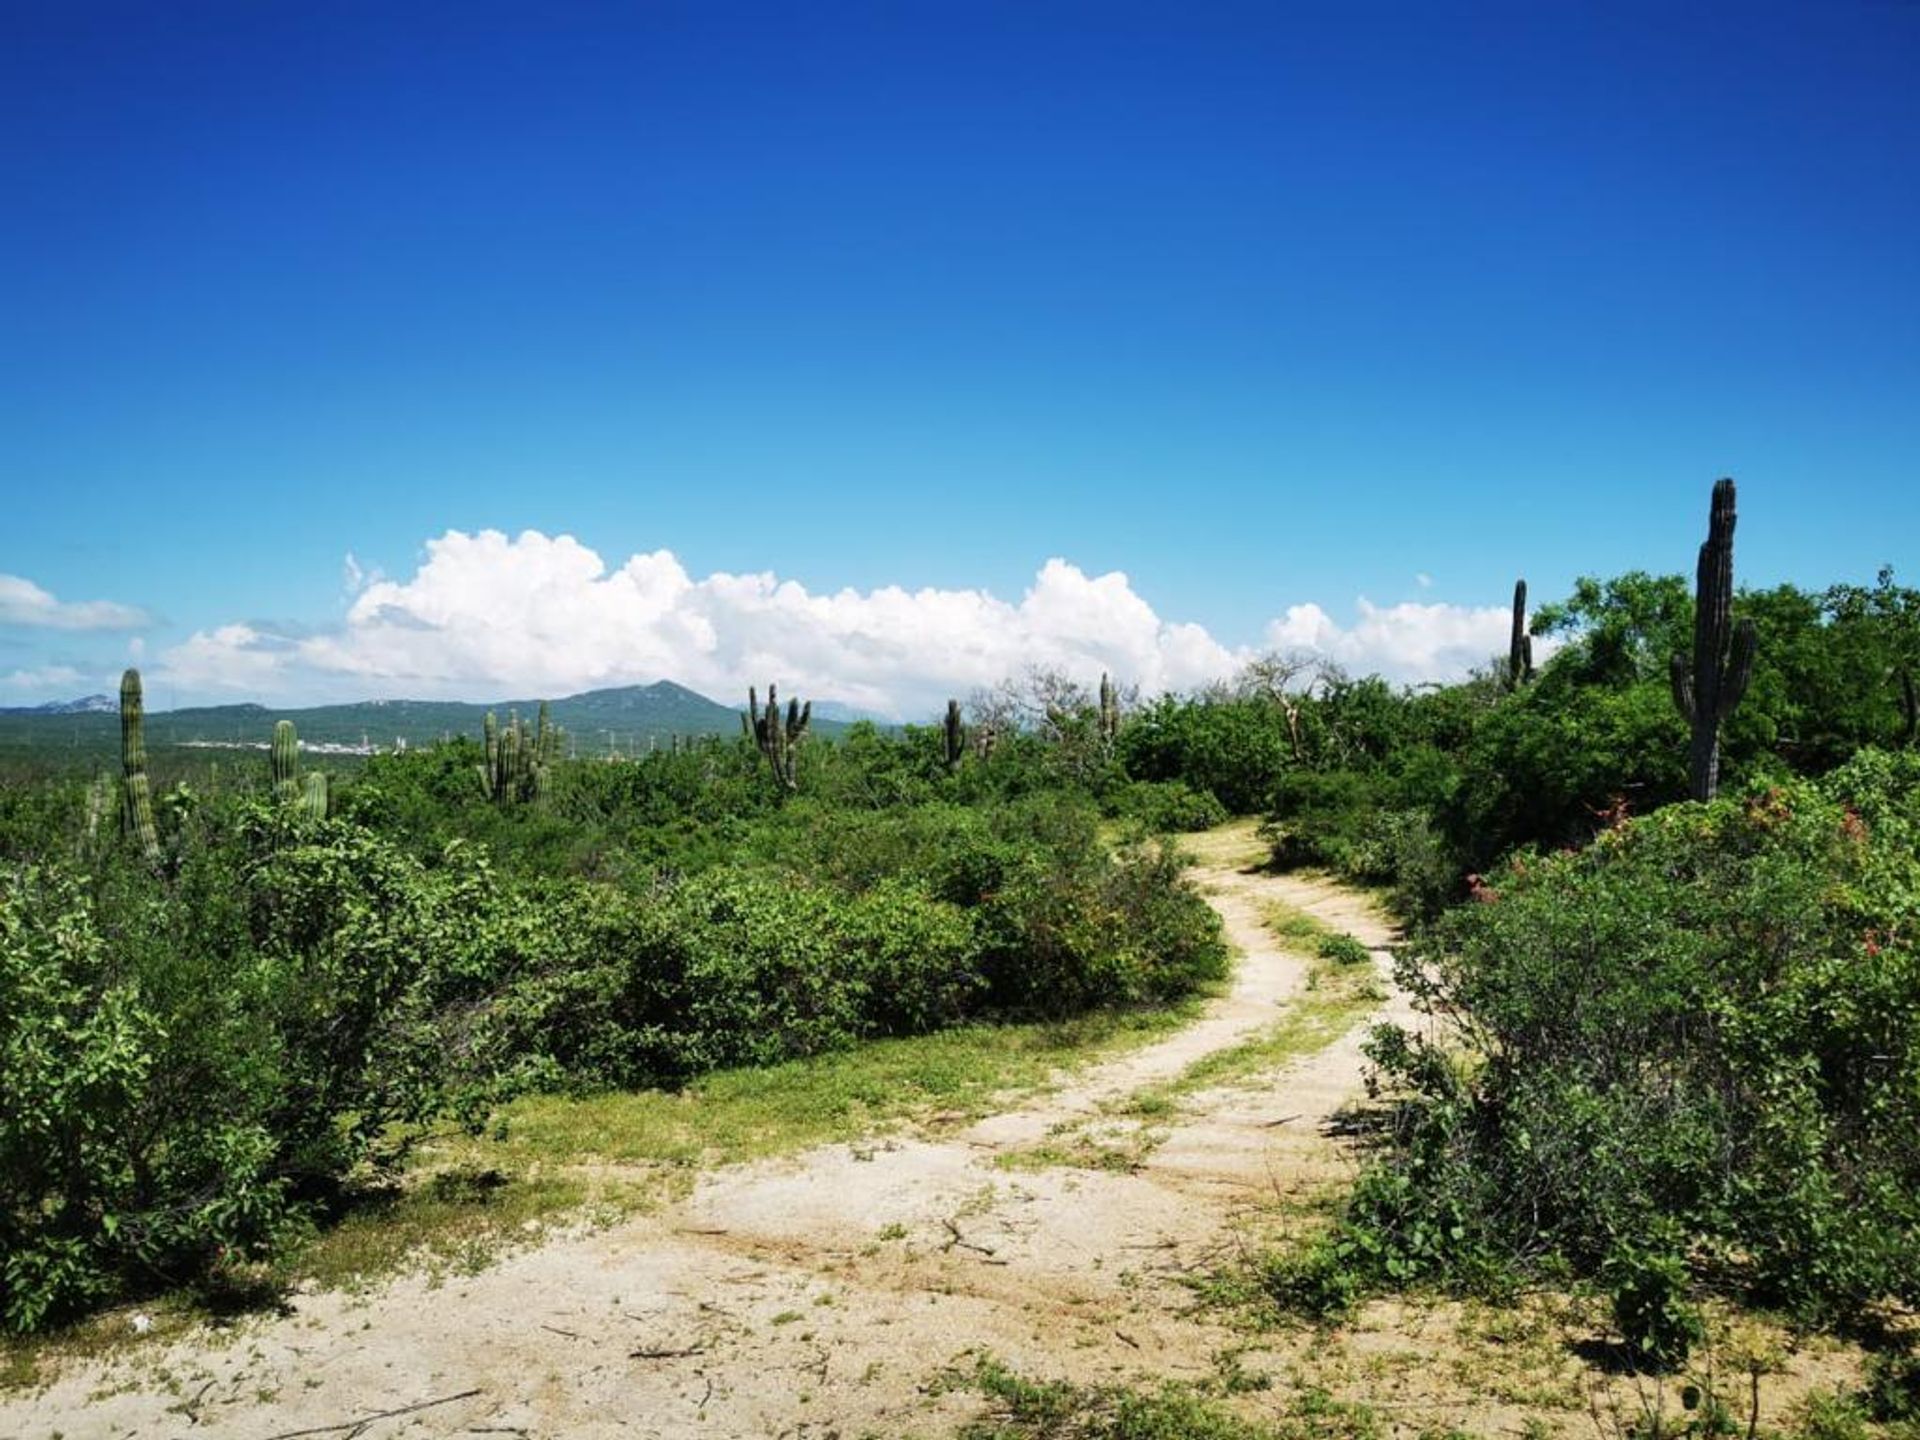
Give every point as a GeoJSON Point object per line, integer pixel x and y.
{"type": "Point", "coordinates": [824, 1294]}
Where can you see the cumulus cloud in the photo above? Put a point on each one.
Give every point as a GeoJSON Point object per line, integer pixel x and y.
{"type": "Point", "coordinates": [43, 677]}
{"type": "Point", "coordinates": [1408, 642]}
{"type": "Point", "coordinates": [488, 615]}
{"type": "Point", "coordinates": [24, 603]}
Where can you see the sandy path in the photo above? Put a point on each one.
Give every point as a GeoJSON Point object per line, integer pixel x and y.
{"type": "Point", "coordinates": [817, 1295]}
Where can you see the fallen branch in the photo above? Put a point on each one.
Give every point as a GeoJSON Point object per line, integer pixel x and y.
{"type": "Point", "coordinates": [957, 1238]}
{"type": "Point", "coordinates": [650, 1352]}
{"type": "Point", "coordinates": [354, 1428]}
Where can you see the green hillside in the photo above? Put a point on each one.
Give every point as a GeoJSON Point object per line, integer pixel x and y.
{"type": "Point", "coordinates": [624, 720]}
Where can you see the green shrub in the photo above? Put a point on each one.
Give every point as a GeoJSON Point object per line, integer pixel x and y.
{"type": "Point", "coordinates": [1166, 807]}
{"type": "Point", "coordinates": [1343, 949]}
{"type": "Point", "coordinates": [191, 1067]}
{"type": "Point", "coordinates": [1698, 1039]}
{"type": "Point", "coordinates": [1649, 1287]}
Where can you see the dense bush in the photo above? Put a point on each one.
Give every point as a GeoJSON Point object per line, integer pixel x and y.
{"type": "Point", "coordinates": [188, 1068]}
{"type": "Point", "coordinates": [1697, 1052]}
{"type": "Point", "coordinates": [196, 1061]}
{"type": "Point", "coordinates": [1166, 807]}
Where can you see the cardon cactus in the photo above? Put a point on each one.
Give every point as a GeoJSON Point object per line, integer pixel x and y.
{"type": "Point", "coordinates": [954, 737]}
{"type": "Point", "coordinates": [315, 795]}
{"type": "Point", "coordinates": [136, 811]}
{"type": "Point", "coordinates": [518, 761]}
{"type": "Point", "coordinates": [1520, 643]}
{"type": "Point", "coordinates": [286, 763]}
{"type": "Point", "coordinates": [777, 742]}
{"type": "Point", "coordinates": [1109, 712]}
{"type": "Point", "coordinates": [1707, 690]}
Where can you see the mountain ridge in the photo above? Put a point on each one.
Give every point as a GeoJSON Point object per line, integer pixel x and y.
{"type": "Point", "coordinates": [619, 720]}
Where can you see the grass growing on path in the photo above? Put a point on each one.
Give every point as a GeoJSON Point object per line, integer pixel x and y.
{"type": "Point", "coordinates": [1341, 990]}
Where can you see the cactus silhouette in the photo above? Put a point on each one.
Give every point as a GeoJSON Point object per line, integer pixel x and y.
{"type": "Point", "coordinates": [777, 742]}
{"type": "Point", "coordinates": [1520, 645]}
{"type": "Point", "coordinates": [1707, 690]}
{"type": "Point", "coordinates": [954, 737]}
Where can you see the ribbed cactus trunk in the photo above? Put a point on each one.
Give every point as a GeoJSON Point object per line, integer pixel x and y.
{"type": "Point", "coordinates": [286, 763]}
{"type": "Point", "coordinates": [315, 796]}
{"type": "Point", "coordinates": [136, 813]}
{"type": "Point", "coordinates": [1109, 713]}
{"type": "Point", "coordinates": [1520, 643]}
{"type": "Point", "coordinates": [954, 737]}
{"type": "Point", "coordinates": [1707, 690]}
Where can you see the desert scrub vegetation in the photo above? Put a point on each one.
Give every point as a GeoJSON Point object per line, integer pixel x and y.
{"type": "Point", "coordinates": [1684, 1059]}
{"type": "Point", "coordinates": [213, 1039]}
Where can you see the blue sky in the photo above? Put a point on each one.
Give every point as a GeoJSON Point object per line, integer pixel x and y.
{"type": "Point", "coordinates": [1265, 306]}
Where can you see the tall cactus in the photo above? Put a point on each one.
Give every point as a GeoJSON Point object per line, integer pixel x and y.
{"type": "Point", "coordinates": [286, 763]}
{"type": "Point", "coordinates": [1707, 690]}
{"type": "Point", "coordinates": [777, 742]}
{"type": "Point", "coordinates": [1109, 711]}
{"type": "Point", "coordinates": [954, 737]}
{"type": "Point", "coordinates": [516, 768]}
{"type": "Point", "coordinates": [136, 812]}
{"type": "Point", "coordinates": [1520, 644]}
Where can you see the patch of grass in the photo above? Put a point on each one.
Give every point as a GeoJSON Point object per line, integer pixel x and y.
{"type": "Point", "coordinates": [1023, 1409]}
{"type": "Point", "coordinates": [1120, 1150]}
{"type": "Point", "coordinates": [1295, 926]}
{"type": "Point", "coordinates": [1337, 996]}
{"type": "Point", "coordinates": [448, 1220]}
{"type": "Point", "coordinates": [943, 1079]}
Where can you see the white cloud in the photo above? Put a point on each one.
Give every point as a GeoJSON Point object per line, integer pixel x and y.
{"type": "Point", "coordinates": [45, 677]}
{"type": "Point", "coordinates": [1409, 642]}
{"type": "Point", "coordinates": [24, 603]}
{"type": "Point", "coordinates": [487, 616]}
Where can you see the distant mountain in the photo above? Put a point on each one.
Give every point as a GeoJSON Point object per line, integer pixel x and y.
{"type": "Point", "coordinates": [86, 705]}
{"type": "Point", "coordinates": [847, 714]}
{"type": "Point", "coordinates": [626, 721]}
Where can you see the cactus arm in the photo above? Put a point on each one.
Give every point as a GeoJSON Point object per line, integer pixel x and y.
{"type": "Point", "coordinates": [1681, 675]}
{"type": "Point", "coordinates": [1746, 640]}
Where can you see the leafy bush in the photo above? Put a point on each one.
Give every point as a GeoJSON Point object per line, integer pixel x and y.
{"type": "Point", "coordinates": [1166, 807]}
{"type": "Point", "coordinates": [190, 1068]}
{"type": "Point", "coordinates": [1234, 750]}
{"type": "Point", "coordinates": [1343, 949]}
{"type": "Point", "coordinates": [1699, 1047]}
